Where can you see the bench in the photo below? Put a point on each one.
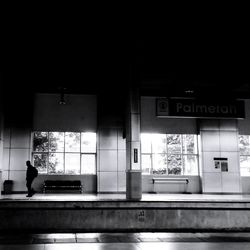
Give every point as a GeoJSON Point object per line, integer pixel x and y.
{"type": "Point", "coordinates": [170, 180]}
{"type": "Point", "coordinates": [61, 185]}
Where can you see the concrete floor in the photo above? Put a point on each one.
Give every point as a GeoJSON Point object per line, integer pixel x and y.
{"type": "Point", "coordinates": [121, 197]}
{"type": "Point", "coordinates": [127, 241]}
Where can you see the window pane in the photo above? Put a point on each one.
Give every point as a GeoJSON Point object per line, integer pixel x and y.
{"type": "Point", "coordinates": [244, 144]}
{"type": "Point", "coordinates": [190, 166]}
{"type": "Point", "coordinates": [88, 164]}
{"type": "Point", "coordinates": [40, 162]}
{"type": "Point", "coordinates": [41, 141]}
{"type": "Point", "coordinates": [245, 165]}
{"type": "Point", "coordinates": [56, 141]}
{"type": "Point", "coordinates": [146, 143]}
{"type": "Point", "coordinates": [174, 143]}
{"type": "Point", "coordinates": [159, 163]}
{"type": "Point", "coordinates": [175, 164]}
{"type": "Point", "coordinates": [159, 143]}
{"type": "Point", "coordinates": [72, 142]}
{"type": "Point", "coordinates": [88, 141]}
{"type": "Point", "coordinates": [56, 163]}
{"type": "Point", "coordinates": [189, 144]}
{"type": "Point", "coordinates": [72, 163]}
{"type": "Point", "coordinates": [146, 163]}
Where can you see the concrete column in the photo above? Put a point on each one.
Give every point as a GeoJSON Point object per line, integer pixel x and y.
{"type": "Point", "coordinates": [133, 148]}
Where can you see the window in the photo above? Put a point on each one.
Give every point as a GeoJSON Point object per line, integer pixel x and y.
{"type": "Point", "coordinates": [244, 147]}
{"type": "Point", "coordinates": [64, 152]}
{"type": "Point", "coordinates": [169, 154]}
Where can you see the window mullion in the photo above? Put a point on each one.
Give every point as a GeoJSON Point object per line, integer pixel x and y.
{"type": "Point", "coordinates": [182, 157]}
{"type": "Point", "coordinates": [151, 154]}
{"type": "Point", "coordinates": [48, 154]}
{"type": "Point", "coordinates": [80, 153]}
{"type": "Point", "coordinates": [64, 153]}
{"type": "Point", "coordinates": [197, 155]}
{"type": "Point", "coordinates": [167, 151]}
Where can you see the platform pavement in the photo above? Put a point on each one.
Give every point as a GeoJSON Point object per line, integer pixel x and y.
{"type": "Point", "coordinates": [128, 241]}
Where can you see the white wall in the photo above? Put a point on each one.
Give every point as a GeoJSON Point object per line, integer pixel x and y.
{"type": "Point", "coordinates": [111, 160]}
{"type": "Point", "coordinates": [219, 139]}
{"type": "Point", "coordinates": [1, 147]}
{"type": "Point", "coordinates": [245, 181]}
{"type": "Point", "coordinates": [17, 150]}
{"type": "Point", "coordinates": [1, 141]}
{"type": "Point", "coordinates": [78, 114]}
{"type": "Point", "coordinates": [244, 124]}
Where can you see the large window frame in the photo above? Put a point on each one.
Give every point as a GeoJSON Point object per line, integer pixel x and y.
{"type": "Point", "coordinates": [170, 157]}
{"type": "Point", "coordinates": [49, 154]}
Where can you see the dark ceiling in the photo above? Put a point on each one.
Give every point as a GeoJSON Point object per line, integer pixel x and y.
{"type": "Point", "coordinates": [109, 66]}
{"type": "Point", "coordinates": [88, 55]}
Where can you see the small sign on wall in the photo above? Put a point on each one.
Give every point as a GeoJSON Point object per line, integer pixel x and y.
{"type": "Point", "coordinates": [221, 163]}
{"type": "Point", "coordinates": [135, 155]}
{"type": "Point", "coordinates": [162, 109]}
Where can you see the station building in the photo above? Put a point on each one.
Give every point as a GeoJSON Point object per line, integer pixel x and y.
{"type": "Point", "coordinates": [150, 144]}
{"type": "Point", "coordinates": [151, 155]}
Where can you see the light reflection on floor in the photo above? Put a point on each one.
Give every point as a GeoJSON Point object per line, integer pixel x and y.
{"type": "Point", "coordinates": [120, 197]}
{"type": "Point", "coordinates": [127, 241]}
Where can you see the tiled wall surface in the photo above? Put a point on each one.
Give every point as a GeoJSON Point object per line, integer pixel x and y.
{"type": "Point", "coordinates": [1, 148]}
{"type": "Point", "coordinates": [111, 160]}
{"type": "Point", "coordinates": [219, 138]}
{"type": "Point", "coordinates": [17, 150]}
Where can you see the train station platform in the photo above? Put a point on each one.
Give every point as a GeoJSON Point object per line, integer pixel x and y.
{"type": "Point", "coordinates": [113, 213]}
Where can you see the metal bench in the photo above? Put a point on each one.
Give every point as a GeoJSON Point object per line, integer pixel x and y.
{"type": "Point", "coordinates": [62, 185]}
{"type": "Point", "coordinates": [170, 180]}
